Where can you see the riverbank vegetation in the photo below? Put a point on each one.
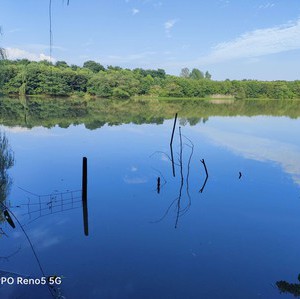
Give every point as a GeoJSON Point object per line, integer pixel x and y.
{"type": "Point", "coordinates": [24, 77]}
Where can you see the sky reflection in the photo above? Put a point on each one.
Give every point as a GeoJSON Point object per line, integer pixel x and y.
{"type": "Point", "coordinates": [249, 144]}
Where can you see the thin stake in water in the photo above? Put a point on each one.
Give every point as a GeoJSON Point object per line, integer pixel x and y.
{"type": "Point", "coordinates": [171, 145]}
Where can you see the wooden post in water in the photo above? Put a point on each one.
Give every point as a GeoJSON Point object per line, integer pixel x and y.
{"type": "Point", "coordinates": [84, 196]}
{"type": "Point", "coordinates": [84, 179]}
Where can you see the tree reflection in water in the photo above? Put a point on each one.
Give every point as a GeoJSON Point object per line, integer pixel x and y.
{"type": "Point", "coordinates": [6, 162]}
{"type": "Point", "coordinates": [286, 287]}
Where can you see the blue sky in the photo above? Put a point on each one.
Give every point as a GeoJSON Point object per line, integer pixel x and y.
{"type": "Point", "coordinates": [232, 39]}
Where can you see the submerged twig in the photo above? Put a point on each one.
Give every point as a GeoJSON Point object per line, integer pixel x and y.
{"type": "Point", "coordinates": [181, 180]}
{"type": "Point", "coordinates": [6, 258]}
{"type": "Point", "coordinates": [172, 161]}
{"type": "Point", "coordinates": [189, 165]}
{"type": "Point", "coordinates": [205, 168]}
{"type": "Point", "coordinates": [174, 125]}
{"type": "Point", "coordinates": [161, 152]}
{"type": "Point", "coordinates": [3, 233]}
{"type": "Point", "coordinates": [29, 192]}
{"type": "Point", "coordinates": [166, 213]}
{"type": "Point", "coordinates": [161, 175]}
{"type": "Point", "coordinates": [206, 172]}
{"type": "Point", "coordinates": [180, 211]}
{"type": "Point", "coordinates": [171, 146]}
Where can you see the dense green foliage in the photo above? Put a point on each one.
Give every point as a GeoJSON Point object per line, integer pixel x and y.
{"type": "Point", "coordinates": [95, 113]}
{"type": "Point", "coordinates": [23, 77]}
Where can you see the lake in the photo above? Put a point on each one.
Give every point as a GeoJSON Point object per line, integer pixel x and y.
{"type": "Point", "coordinates": [219, 219]}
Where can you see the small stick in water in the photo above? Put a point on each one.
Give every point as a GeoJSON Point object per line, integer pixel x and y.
{"type": "Point", "coordinates": [158, 185]}
{"type": "Point", "coordinates": [174, 125]}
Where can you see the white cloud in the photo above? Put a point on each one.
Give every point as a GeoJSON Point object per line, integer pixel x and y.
{"type": "Point", "coordinates": [84, 56]}
{"type": "Point", "coordinates": [35, 131]}
{"type": "Point", "coordinates": [169, 25]}
{"type": "Point", "coordinates": [39, 235]}
{"type": "Point", "coordinates": [88, 43]}
{"type": "Point", "coordinates": [224, 3]}
{"type": "Point", "coordinates": [135, 11]}
{"type": "Point", "coordinates": [135, 180]}
{"type": "Point", "coordinates": [41, 47]}
{"type": "Point", "coordinates": [257, 43]}
{"type": "Point", "coordinates": [266, 6]}
{"type": "Point", "coordinates": [157, 4]}
{"type": "Point", "coordinates": [15, 53]}
{"type": "Point", "coordinates": [14, 30]}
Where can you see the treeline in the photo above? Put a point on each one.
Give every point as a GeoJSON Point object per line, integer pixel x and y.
{"type": "Point", "coordinates": [24, 77]}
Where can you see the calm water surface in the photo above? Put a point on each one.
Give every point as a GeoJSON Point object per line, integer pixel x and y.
{"type": "Point", "coordinates": [235, 239]}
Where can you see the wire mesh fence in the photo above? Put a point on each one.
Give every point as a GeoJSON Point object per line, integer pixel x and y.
{"type": "Point", "coordinates": [37, 206]}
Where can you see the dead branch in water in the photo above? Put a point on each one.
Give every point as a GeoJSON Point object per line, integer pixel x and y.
{"type": "Point", "coordinates": [205, 168]}
{"type": "Point", "coordinates": [161, 152]}
{"type": "Point", "coordinates": [181, 179]}
{"type": "Point", "coordinates": [174, 125]}
{"type": "Point", "coordinates": [180, 210]}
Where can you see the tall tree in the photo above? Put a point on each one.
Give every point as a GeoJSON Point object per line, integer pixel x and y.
{"type": "Point", "coordinates": [61, 63]}
{"type": "Point", "coordinates": [2, 51]}
{"type": "Point", "coordinates": [94, 66]}
{"type": "Point", "coordinates": [207, 75]}
{"type": "Point", "coordinates": [196, 74]}
{"type": "Point", "coordinates": [185, 73]}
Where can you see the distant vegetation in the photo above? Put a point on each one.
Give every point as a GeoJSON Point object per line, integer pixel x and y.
{"type": "Point", "coordinates": [24, 77]}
